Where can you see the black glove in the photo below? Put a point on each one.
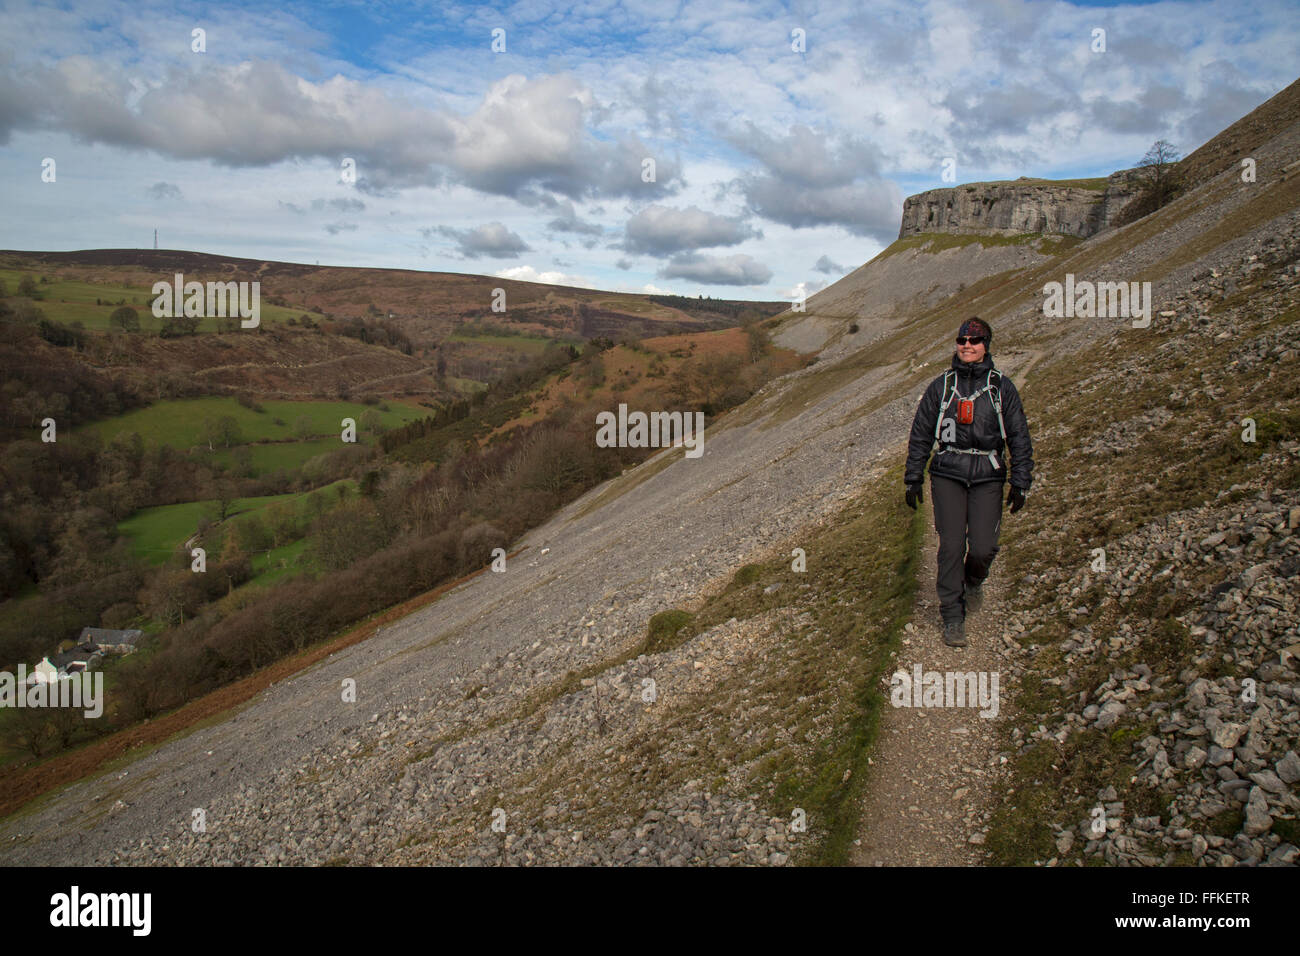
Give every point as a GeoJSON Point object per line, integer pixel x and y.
{"type": "Point", "coordinates": [1016, 498]}
{"type": "Point", "coordinates": [914, 495]}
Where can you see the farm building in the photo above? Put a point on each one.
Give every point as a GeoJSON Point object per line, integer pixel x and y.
{"type": "Point", "coordinates": [109, 641]}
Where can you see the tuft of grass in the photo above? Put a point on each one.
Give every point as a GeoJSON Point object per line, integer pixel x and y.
{"type": "Point", "coordinates": [664, 630]}
{"type": "Point", "coordinates": [1171, 642]}
{"type": "Point", "coordinates": [1287, 829]}
{"type": "Point", "coordinates": [1227, 823]}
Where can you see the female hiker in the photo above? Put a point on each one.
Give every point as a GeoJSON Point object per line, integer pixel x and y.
{"type": "Point", "coordinates": [974, 413]}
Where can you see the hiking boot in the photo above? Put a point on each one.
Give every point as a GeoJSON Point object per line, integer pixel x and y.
{"type": "Point", "coordinates": [974, 597]}
{"type": "Point", "coordinates": [954, 633]}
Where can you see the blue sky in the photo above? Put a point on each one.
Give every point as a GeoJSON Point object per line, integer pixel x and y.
{"type": "Point", "coordinates": [776, 169]}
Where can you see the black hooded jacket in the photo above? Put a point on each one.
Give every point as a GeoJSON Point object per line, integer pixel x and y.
{"type": "Point", "coordinates": [982, 433]}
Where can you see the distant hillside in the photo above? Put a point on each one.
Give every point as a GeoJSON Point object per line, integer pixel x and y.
{"type": "Point", "coordinates": [325, 332]}
{"type": "Point", "coordinates": [427, 306]}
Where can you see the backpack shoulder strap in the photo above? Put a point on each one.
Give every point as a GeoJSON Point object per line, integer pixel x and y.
{"type": "Point", "coordinates": [949, 377]}
{"type": "Point", "coordinates": [996, 394]}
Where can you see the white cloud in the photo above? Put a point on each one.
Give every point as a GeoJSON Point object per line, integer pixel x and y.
{"type": "Point", "coordinates": [739, 269]}
{"type": "Point", "coordinates": [491, 239]}
{"type": "Point", "coordinates": [660, 230]}
{"type": "Point", "coordinates": [550, 277]}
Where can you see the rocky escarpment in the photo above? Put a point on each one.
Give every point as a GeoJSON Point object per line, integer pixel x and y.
{"type": "Point", "coordinates": [1025, 205]}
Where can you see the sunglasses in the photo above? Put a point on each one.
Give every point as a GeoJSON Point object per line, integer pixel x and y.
{"type": "Point", "coordinates": [973, 340]}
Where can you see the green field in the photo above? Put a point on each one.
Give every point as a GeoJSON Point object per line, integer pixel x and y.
{"type": "Point", "coordinates": [155, 533]}
{"type": "Point", "coordinates": [278, 563]}
{"type": "Point", "coordinates": [68, 301]}
{"type": "Point", "coordinates": [274, 456]}
{"type": "Point", "coordinates": [180, 422]}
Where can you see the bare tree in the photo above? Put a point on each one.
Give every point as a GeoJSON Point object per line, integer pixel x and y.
{"type": "Point", "coordinates": [1159, 168]}
{"type": "Point", "coordinates": [225, 500]}
{"type": "Point", "coordinates": [125, 318]}
{"type": "Point", "coordinates": [758, 340]}
{"type": "Point", "coordinates": [224, 429]}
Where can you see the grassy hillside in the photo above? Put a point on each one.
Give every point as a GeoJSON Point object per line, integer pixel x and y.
{"type": "Point", "coordinates": [931, 242]}
{"type": "Point", "coordinates": [156, 533]}
{"type": "Point", "coordinates": [183, 423]}
{"type": "Point", "coordinates": [92, 303]}
{"type": "Point", "coordinates": [427, 306]}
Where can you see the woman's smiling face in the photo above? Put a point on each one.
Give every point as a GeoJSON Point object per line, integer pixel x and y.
{"type": "Point", "coordinates": [970, 352]}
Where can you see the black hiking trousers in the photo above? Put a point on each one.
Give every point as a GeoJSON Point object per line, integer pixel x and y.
{"type": "Point", "coordinates": [967, 521]}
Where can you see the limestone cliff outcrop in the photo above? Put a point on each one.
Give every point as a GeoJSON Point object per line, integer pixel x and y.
{"type": "Point", "coordinates": [1020, 206]}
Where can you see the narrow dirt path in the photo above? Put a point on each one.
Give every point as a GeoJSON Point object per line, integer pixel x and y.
{"type": "Point", "coordinates": [931, 788]}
